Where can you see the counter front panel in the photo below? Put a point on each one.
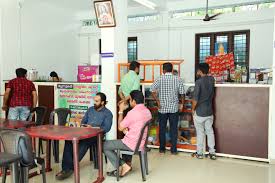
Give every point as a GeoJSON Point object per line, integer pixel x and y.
{"type": "Point", "coordinates": [241, 121]}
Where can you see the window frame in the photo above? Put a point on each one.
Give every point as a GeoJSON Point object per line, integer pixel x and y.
{"type": "Point", "coordinates": [213, 38]}
{"type": "Point", "coordinates": [136, 50]}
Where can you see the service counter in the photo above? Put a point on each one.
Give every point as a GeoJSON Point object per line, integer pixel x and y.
{"type": "Point", "coordinates": [242, 117]}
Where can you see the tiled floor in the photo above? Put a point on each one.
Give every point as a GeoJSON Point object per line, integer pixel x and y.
{"type": "Point", "coordinates": [181, 168]}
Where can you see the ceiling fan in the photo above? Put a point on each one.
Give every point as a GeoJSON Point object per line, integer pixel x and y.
{"type": "Point", "coordinates": [207, 17]}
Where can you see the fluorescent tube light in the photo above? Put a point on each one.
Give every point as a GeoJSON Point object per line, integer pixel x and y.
{"type": "Point", "coordinates": [147, 3]}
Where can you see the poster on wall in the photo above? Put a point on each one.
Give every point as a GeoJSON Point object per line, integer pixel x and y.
{"type": "Point", "coordinates": [104, 13]}
{"type": "Point", "coordinates": [221, 48]}
{"type": "Point", "coordinates": [78, 98]}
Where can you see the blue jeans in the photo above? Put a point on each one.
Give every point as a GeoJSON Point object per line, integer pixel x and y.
{"type": "Point", "coordinates": [19, 113]}
{"type": "Point", "coordinates": [173, 122]}
{"type": "Point", "coordinates": [84, 146]}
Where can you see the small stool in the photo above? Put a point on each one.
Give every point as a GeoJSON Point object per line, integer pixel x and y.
{"type": "Point", "coordinates": [7, 159]}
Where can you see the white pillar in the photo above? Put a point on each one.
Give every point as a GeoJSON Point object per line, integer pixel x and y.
{"type": "Point", "coordinates": [272, 107]}
{"type": "Point", "coordinates": [114, 40]}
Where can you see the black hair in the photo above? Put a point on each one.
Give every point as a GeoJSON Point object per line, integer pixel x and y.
{"type": "Point", "coordinates": [204, 68]}
{"type": "Point", "coordinates": [54, 74]}
{"type": "Point", "coordinates": [21, 72]}
{"type": "Point", "coordinates": [175, 72]}
{"type": "Point", "coordinates": [168, 67]}
{"type": "Point", "coordinates": [137, 96]}
{"type": "Point", "coordinates": [134, 65]}
{"type": "Point", "coordinates": [103, 97]}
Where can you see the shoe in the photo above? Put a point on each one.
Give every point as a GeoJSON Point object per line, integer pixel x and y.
{"type": "Point", "coordinates": [199, 156]}
{"type": "Point", "coordinates": [175, 153]}
{"type": "Point", "coordinates": [162, 151]}
{"type": "Point", "coordinates": [213, 156]}
{"type": "Point", "coordinates": [64, 174]}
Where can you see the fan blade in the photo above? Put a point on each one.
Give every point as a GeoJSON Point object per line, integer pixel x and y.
{"type": "Point", "coordinates": [192, 19]}
{"type": "Point", "coordinates": [213, 16]}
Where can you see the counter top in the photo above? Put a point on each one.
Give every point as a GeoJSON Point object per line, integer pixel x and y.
{"type": "Point", "coordinates": [62, 82]}
{"type": "Point", "coordinates": [224, 85]}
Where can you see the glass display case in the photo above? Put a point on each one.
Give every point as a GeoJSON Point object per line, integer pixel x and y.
{"type": "Point", "coordinates": [186, 129]}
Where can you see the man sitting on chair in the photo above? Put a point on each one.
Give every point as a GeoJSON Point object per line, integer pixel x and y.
{"type": "Point", "coordinates": [131, 126]}
{"type": "Point", "coordinates": [97, 116]}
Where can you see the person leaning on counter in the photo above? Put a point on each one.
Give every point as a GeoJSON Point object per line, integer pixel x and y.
{"type": "Point", "coordinates": [22, 95]}
{"type": "Point", "coordinates": [202, 108]}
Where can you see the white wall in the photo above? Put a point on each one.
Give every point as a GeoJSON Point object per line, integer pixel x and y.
{"type": "Point", "coordinates": [49, 38]}
{"type": "Point", "coordinates": [157, 41]}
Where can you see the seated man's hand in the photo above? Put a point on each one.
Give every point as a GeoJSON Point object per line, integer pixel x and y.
{"type": "Point", "coordinates": [125, 131]}
{"type": "Point", "coordinates": [5, 108]}
{"type": "Point", "coordinates": [86, 126]}
{"type": "Point", "coordinates": [122, 106]}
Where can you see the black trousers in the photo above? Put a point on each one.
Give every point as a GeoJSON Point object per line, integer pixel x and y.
{"type": "Point", "coordinates": [173, 122]}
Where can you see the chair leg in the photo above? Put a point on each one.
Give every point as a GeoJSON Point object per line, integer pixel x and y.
{"type": "Point", "coordinates": [43, 172]}
{"type": "Point", "coordinates": [146, 162]}
{"type": "Point", "coordinates": [15, 172]}
{"type": "Point", "coordinates": [24, 174]}
{"type": "Point", "coordinates": [40, 147]}
{"type": "Point", "coordinates": [4, 176]}
{"type": "Point", "coordinates": [117, 164]}
{"type": "Point", "coordinates": [106, 160]}
{"type": "Point", "coordinates": [142, 165]}
{"type": "Point", "coordinates": [91, 154]}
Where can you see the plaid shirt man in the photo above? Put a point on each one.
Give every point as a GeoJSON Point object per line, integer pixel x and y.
{"type": "Point", "coordinates": [169, 87]}
{"type": "Point", "coordinates": [21, 92]}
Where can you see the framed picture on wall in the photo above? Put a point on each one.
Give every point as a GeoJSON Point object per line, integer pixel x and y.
{"type": "Point", "coordinates": [104, 13]}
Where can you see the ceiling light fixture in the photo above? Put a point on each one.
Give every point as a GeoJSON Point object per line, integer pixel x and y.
{"type": "Point", "coordinates": [147, 3]}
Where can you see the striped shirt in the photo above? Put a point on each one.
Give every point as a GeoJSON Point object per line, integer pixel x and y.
{"type": "Point", "coordinates": [168, 87]}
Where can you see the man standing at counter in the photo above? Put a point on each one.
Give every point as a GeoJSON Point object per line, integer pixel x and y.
{"type": "Point", "coordinates": [22, 95]}
{"type": "Point", "coordinates": [203, 111]}
{"type": "Point", "coordinates": [168, 87]}
{"type": "Point", "coordinates": [130, 81]}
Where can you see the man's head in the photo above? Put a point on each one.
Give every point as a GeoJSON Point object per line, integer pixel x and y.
{"type": "Point", "coordinates": [202, 70]}
{"type": "Point", "coordinates": [21, 72]}
{"type": "Point", "coordinates": [53, 74]}
{"type": "Point", "coordinates": [100, 100]}
{"type": "Point", "coordinates": [175, 73]}
{"type": "Point", "coordinates": [136, 97]}
{"type": "Point", "coordinates": [134, 66]}
{"type": "Point", "coordinates": [167, 67]}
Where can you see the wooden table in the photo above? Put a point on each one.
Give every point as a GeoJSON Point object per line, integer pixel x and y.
{"type": "Point", "coordinates": [74, 134]}
{"type": "Point", "coordinates": [15, 124]}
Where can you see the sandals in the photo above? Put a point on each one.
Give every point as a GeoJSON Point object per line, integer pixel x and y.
{"type": "Point", "coordinates": [114, 173]}
{"type": "Point", "coordinates": [199, 156]}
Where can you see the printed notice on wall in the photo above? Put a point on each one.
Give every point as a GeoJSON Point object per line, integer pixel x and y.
{"type": "Point", "coordinates": [78, 98]}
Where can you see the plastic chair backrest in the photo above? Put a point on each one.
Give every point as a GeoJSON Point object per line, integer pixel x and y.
{"type": "Point", "coordinates": [40, 115]}
{"type": "Point", "coordinates": [62, 115]}
{"type": "Point", "coordinates": [144, 132]}
{"type": "Point", "coordinates": [17, 142]}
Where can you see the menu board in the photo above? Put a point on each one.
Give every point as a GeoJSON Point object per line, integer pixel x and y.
{"type": "Point", "coordinates": [78, 98]}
